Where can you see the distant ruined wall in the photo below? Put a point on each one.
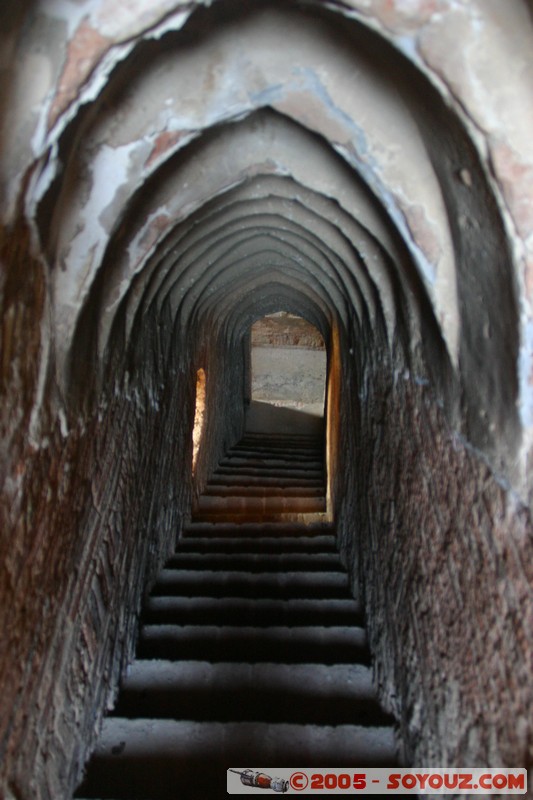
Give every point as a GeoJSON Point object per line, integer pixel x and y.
{"type": "Point", "coordinates": [285, 330]}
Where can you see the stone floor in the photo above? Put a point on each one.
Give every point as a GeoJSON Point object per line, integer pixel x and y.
{"type": "Point", "coordinates": [263, 417]}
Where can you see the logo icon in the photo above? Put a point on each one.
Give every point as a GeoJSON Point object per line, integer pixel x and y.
{"type": "Point", "coordinates": [261, 781]}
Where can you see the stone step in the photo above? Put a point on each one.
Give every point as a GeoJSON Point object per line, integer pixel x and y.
{"type": "Point", "coordinates": [246, 518]}
{"type": "Point", "coordinates": [302, 693]}
{"type": "Point", "coordinates": [144, 759]}
{"type": "Point", "coordinates": [258, 506]}
{"type": "Point", "coordinates": [271, 463]}
{"type": "Point", "coordinates": [269, 472]}
{"type": "Point", "coordinates": [256, 562]}
{"type": "Point", "coordinates": [251, 612]}
{"type": "Point", "coordinates": [283, 439]}
{"type": "Point", "coordinates": [234, 583]}
{"type": "Point", "coordinates": [256, 544]}
{"type": "Point", "coordinates": [292, 454]}
{"type": "Point", "coordinates": [292, 457]}
{"type": "Point", "coordinates": [274, 482]}
{"type": "Point", "coordinates": [311, 644]}
{"type": "Point", "coordinates": [258, 529]}
{"type": "Point", "coordinates": [236, 490]}
{"type": "Point", "coordinates": [251, 648]}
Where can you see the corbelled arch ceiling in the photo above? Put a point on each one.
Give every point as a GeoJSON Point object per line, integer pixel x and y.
{"type": "Point", "coordinates": [207, 158]}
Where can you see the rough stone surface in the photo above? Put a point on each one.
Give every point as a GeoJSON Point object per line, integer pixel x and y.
{"type": "Point", "coordinates": [446, 559]}
{"type": "Point", "coordinates": [87, 517]}
{"type": "Point", "coordinates": [83, 518]}
{"type": "Point", "coordinates": [290, 377]}
{"type": "Point", "coordinates": [286, 330]}
{"type": "Point", "coordinates": [170, 172]}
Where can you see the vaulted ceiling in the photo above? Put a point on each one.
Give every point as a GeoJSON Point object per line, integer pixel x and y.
{"type": "Point", "coordinates": [353, 162]}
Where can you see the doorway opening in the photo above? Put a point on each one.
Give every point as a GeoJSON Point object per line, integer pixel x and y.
{"type": "Point", "coordinates": [199, 417]}
{"type": "Point", "coordinates": [288, 375]}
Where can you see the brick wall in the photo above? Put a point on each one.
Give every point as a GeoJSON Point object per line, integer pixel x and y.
{"type": "Point", "coordinates": [445, 561]}
{"type": "Point", "coordinates": [86, 519]}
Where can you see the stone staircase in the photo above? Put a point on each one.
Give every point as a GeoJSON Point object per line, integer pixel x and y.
{"type": "Point", "coordinates": [251, 649]}
{"type": "Point", "coordinates": [267, 478]}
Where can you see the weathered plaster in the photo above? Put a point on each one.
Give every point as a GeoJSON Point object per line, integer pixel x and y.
{"type": "Point", "coordinates": [218, 78]}
{"type": "Point", "coordinates": [171, 172]}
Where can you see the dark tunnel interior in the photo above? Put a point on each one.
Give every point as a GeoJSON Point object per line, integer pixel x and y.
{"type": "Point", "coordinates": [174, 176]}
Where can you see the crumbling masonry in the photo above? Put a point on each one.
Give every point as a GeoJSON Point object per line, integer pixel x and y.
{"type": "Point", "coordinates": [173, 170]}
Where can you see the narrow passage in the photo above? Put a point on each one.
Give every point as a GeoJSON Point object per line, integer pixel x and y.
{"type": "Point", "coordinates": [252, 651]}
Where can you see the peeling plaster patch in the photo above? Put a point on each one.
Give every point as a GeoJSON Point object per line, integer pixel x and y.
{"type": "Point", "coordinates": [526, 375]}
{"type": "Point", "coordinates": [482, 52]}
{"type": "Point", "coordinates": [87, 93]}
{"type": "Point", "coordinates": [423, 234]}
{"type": "Point", "coordinates": [372, 179]}
{"type": "Point", "coordinates": [111, 169]}
{"type": "Point", "coordinates": [226, 96]}
{"type": "Point", "coordinates": [134, 17]}
{"type": "Point", "coordinates": [163, 143]}
{"type": "Point", "coordinates": [83, 54]}
{"type": "Point", "coordinates": [308, 80]}
{"type": "Point", "coordinates": [118, 21]}
{"type": "Point", "coordinates": [406, 14]}
{"type": "Point", "coordinates": [140, 247]}
{"type": "Point", "coordinates": [76, 81]}
{"type": "Point", "coordinates": [156, 224]}
{"type": "Point", "coordinates": [173, 23]}
{"type": "Point", "coordinates": [111, 166]}
{"type": "Point", "coordinates": [516, 178]}
{"type": "Point", "coordinates": [438, 46]}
